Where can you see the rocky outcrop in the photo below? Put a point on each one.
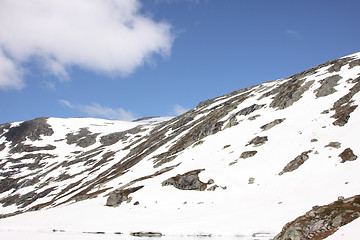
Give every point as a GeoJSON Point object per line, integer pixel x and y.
{"type": "Point", "coordinates": [118, 196]}
{"type": "Point", "coordinates": [343, 107]}
{"type": "Point", "coordinates": [347, 155]}
{"type": "Point", "coordinates": [334, 145]}
{"type": "Point", "coordinates": [296, 163]}
{"type": "Point", "coordinates": [258, 141]}
{"type": "Point", "coordinates": [32, 130]}
{"type": "Point", "coordinates": [248, 154]}
{"type": "Point", "coordinates": [20, 147]}
{"type": "Point", "coordinates": [146, 234]}
{"type": "Point", "coordinates": [84, 138]}
{"type": "Point", "coordinates": [288, 92]}
{"type": "Point", "coordinates": [327, 86]}
{"type": "Point", "coordinates": [187, 181]}
{"type": "Point", "coordinates": [113, 138]}
{"type": "Point", "coordinates": [272, 124]}
{"type": "Point", "coordinates": [320, 222]}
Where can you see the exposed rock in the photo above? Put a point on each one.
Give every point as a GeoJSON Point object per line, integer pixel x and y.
{"type": "Point", "coordinates": [252, 118]}
{"type": "Point", "coordinates": [321, 222]}
{"type": "Point", "coordinates": [187, 181]}
{"type": "Point", "coordinates": [32, 130]}
{"type": "Point", "coordinates": [338, 64]}
{"type": "Point", "coordinates": [354, 63]}
{"type": "Point", "coordinates": [327, 86]}
{"type": "Point", "coordinates": [251, 180]}
{"type": "Point", "coordinates": [258, 141]}
{"type": "Point", "coordinates": [248, 154]}
{"type": "Point", "coordinates": [288, 92]}
{"type": "Point", "coordinates": [2, 146]}
{"type": "Point", "coordinates": [20, 147]}
{"type": "Point", "coordinates": [8, 183]}
{"type": "Point", "coordinates": [272, 124]}
{"type": "Point", "coordinates": [146, 234]}
{"type": "Point", "coordinates": [314, 140]}
{"type": "Point", "coordinates": [250, 109]}
{"type": "Point", "coordinates": [83, 138]}
{"type": "Point", "coordinates": [347, 155]}
{"type": "Point", "coordinates": [113, 138]}
{"type": "Point", "coordinates": [343, 107]}
{"type": "Point", "coordinates": [296, 163]}
{"type": "Point", "coordinates": [118, 196]}
{"type": "Point", "coordinates": [334, 145]}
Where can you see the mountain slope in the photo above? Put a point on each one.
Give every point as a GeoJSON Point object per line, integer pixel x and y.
{"type": "Point", "coordinates": [243, 163]}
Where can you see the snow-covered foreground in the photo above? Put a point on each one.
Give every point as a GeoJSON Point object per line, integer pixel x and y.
{"type": "Point", "coordinates": [237, 165]}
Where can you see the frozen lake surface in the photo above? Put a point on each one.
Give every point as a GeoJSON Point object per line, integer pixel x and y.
{"type": "Point", "coordinates": [46, 235]}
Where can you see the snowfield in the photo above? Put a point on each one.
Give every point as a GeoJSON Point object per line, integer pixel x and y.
{"type": "Point", "coordinates": [246, 185]}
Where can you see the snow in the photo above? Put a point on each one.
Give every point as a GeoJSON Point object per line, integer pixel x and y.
{"type": "Point", "coordinates": [235, 208]}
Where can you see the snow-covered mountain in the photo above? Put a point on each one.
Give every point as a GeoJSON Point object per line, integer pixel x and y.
{"type": "Point", "coordinates": [241, 164]}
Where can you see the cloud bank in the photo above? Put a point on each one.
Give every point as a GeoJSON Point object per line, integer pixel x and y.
{"type": "Point", "coordinates": [107, 36]}
{"type": "Point", "coordinates": [97, 110]}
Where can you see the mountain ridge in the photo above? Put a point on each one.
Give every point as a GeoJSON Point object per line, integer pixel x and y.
{"type": "Point", "coordinates": [241, 147]}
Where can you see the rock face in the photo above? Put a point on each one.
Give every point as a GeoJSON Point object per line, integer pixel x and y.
{"type": "Point", "coordinates": [118, 196]}
{"type": "Point", "coordinates": [84, 138]}
{"type": "Point", "coordinates": [327, 86]}
{"type": "Point", "coordinates": [248, 154]}
{"type": "Point", "coordinates": [347, 155]}
{"type": "Point", "coordinates": [187, 181]}
{"type": "Point", "coordinates": [320, 222]}
{"type": "Point", "coordinates": [296, 163]}
{"type": "Point", "coordinates": [32, 130]}
{"type": "Point", "coordinates": [272, 124]}
{"type": "Point", "coordinates": [258, 141]}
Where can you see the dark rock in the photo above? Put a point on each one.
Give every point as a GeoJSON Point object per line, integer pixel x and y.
{"type": "Point", "coordinates": [113, 138]}
{"type": "Point", "coordinates": [354, 63]}
{"type": "Point", "coordinates": [296, 163]}
{"type": "Point", "coordinates": [347, 155]}
{"type": "Point", "coordinates": [327, 86]}
{"type": "Point", "coordinates": [343, 107]}
{"type": "Point", "coordinates": [2, 146]}
{"type": "Point", "coordinates": [251, 180]}
{"type": "Point", "coordinates": [187, 181]}
{"type": "Point", "coordinates": [338, 64]}
{"type": "Point", "coordinates": [272, 124]}
{"type": "Point", "coordinates": [118, 196]}
{"type": "Point", "coordinates": [8, 183]}
{"type": "Point", "coordinates": [258, 141]}
{"type": "Point", "coordinates": [322, 221]}
{"type": "Point", "coordinates": [250, 109]}
{"type": "Point", "coordinates": [248, 154]}
{"type": "Point", "coordinates": [334, 145]}
{"type": "Point", "coordinates": [20, 147]}
{"type": "Point", "coordinates": [84, 138]}
{"type": "Point", "coordinates": [252, 118]}
{"type": "Point", "coordinates": [32, 130]}
{"type": "Point", "coordinates": [146, 234]}
{"type": "Point", "coordinates": [288, 92]}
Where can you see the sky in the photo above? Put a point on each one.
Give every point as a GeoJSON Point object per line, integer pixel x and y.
{"type": "Point", "coordinates": [128, 59]}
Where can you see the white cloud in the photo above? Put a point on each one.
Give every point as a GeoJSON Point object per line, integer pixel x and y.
{"type": "Point", "coordinates": [107, 36]}
{"type": "Point", "coordinates": [293, 33]}
{"type": "Point", "coordinates": [178, 110]}
{"type": "Point", "coordinates": [10, 75]}
{"type": "Point", "coordinates": [66, 103]}
{"type": "Point", "coordinates": [96, 110]}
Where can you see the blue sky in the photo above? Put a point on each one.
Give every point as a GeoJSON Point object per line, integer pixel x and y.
{"type": "Point", "coordinates": [127, 59]}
